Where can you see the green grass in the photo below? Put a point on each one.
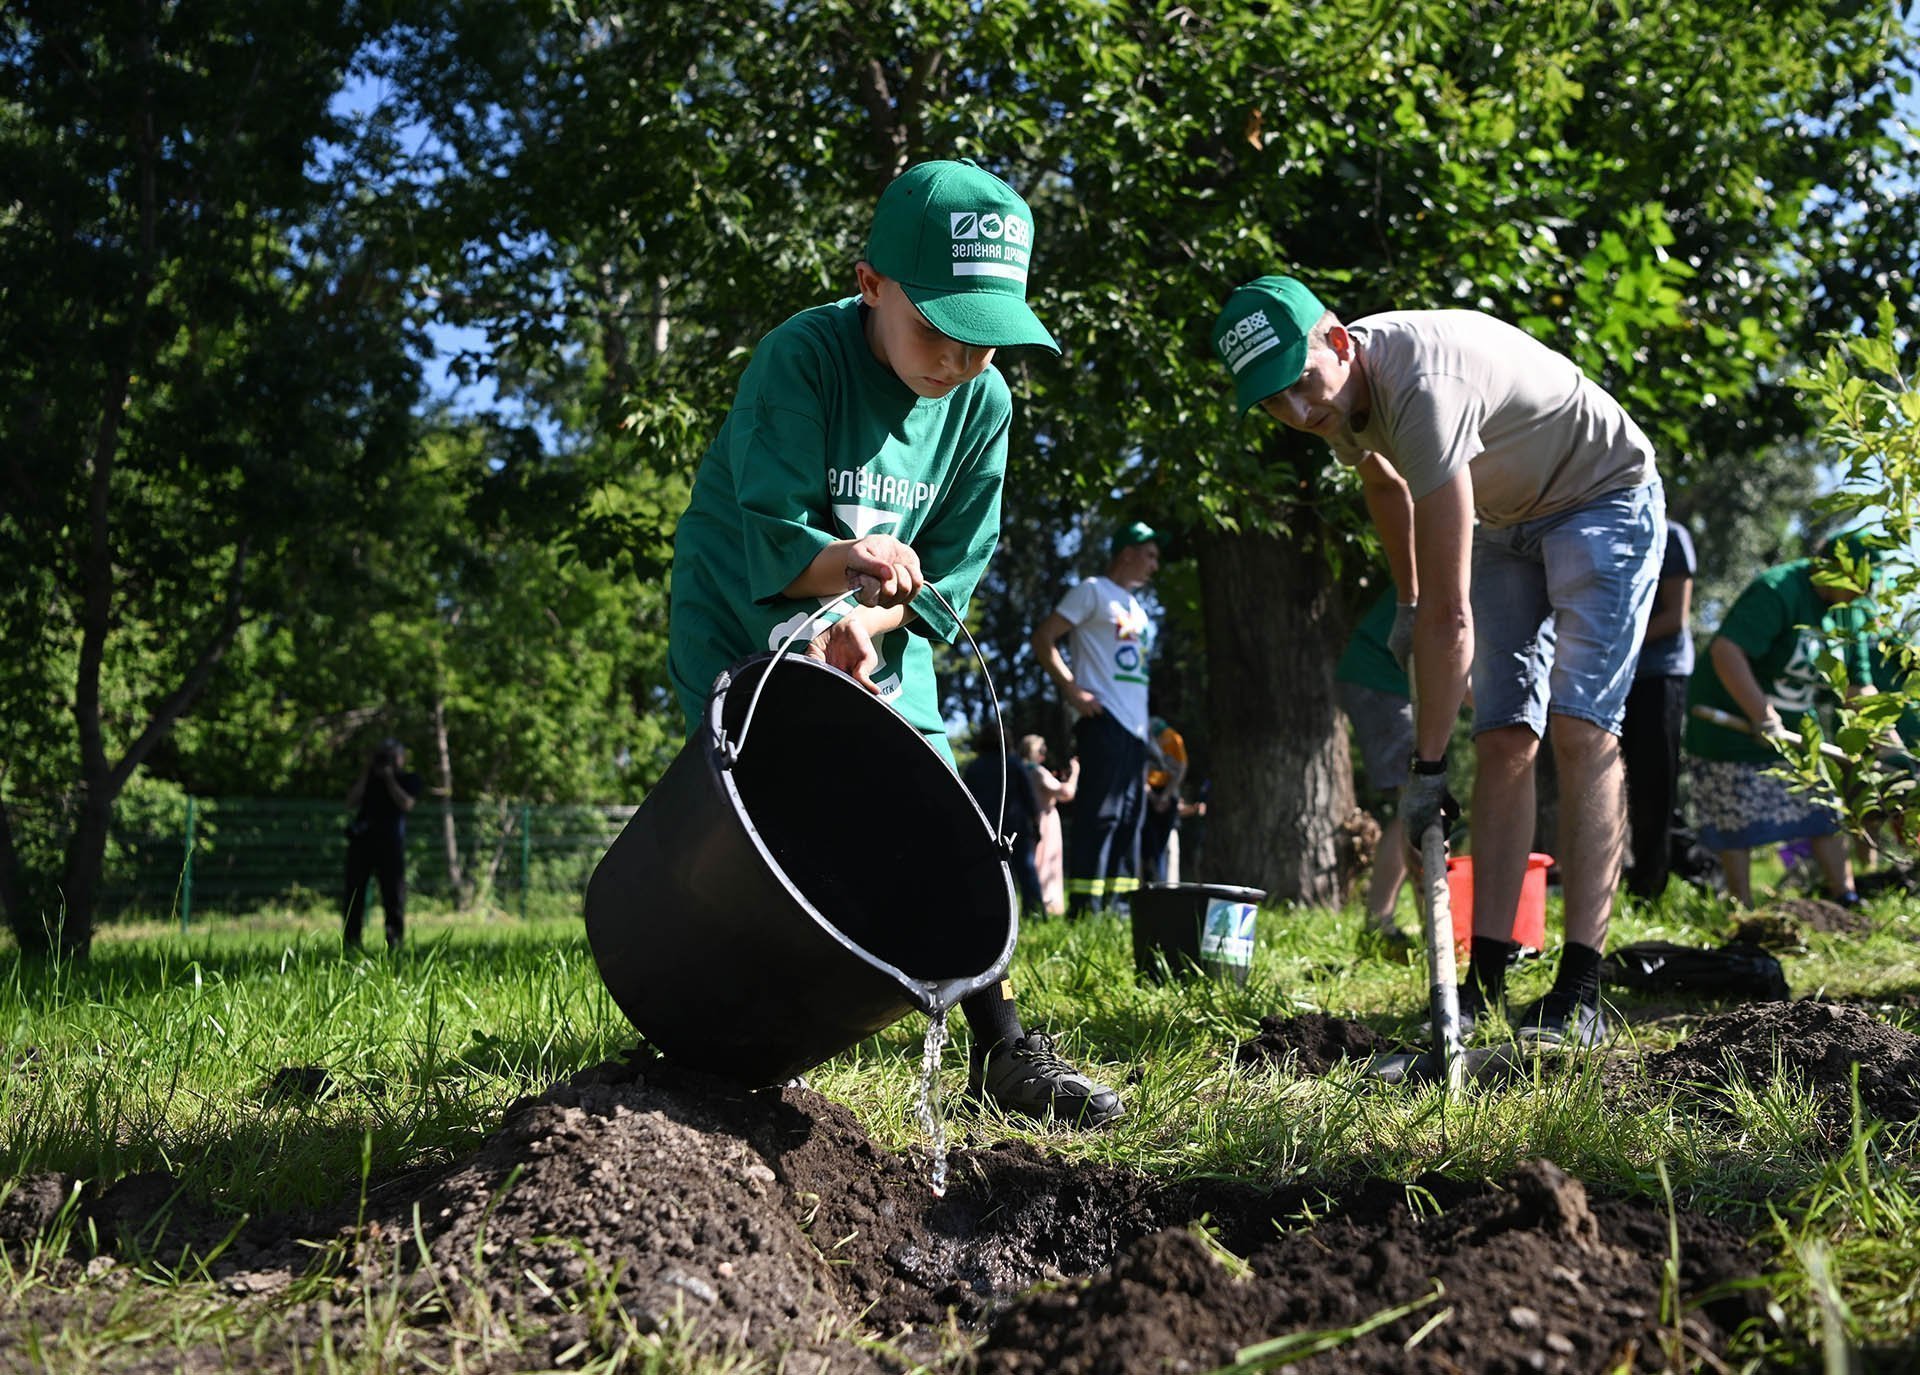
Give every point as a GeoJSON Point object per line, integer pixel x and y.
{"type": "Point", "coordinates": [162, 1051]}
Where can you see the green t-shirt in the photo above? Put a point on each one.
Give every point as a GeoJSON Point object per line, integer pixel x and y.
{"type": "Point", "coordinates": [824, 442]}
{"type": "Point", "coordinates": [1367, 660]}
{"type": "Point", "coordinates": [1781, 624]}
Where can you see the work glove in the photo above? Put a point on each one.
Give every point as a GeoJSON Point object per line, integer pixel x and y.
{"type": "Point", "coordinates": [1423, 802]}
{"type": "Point", "coordinates": [1770, 726]}
{"type": "Point", "coordinates": [1400, 638]}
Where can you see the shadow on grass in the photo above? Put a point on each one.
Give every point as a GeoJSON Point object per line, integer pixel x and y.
{"type": "Point", "coordinates": [145, 966]}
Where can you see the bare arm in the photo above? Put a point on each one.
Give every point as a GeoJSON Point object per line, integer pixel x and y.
{"type": "Point", "coordinates": [1046, 650]}
{"type": "Point", "coordinates": [890, 570]}
{"type": "Point", "coordinates": [1443, 628]}
{"type": "Point", "coordinates": [359, 789]}
{"type": "Point", "coordinates": [1391, 507]}
{"type": "Point", "coordinates": [1736, 675]}
{"type": "Point", "coordinates": [1672, 601]}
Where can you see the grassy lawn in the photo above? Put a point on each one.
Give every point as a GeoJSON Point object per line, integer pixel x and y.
{"type": "Point", "coordinates": [265, 1073]}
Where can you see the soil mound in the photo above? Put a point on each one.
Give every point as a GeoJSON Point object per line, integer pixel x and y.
{"type": "Point", "coordinates": [1819, 1043]}
{"type": "Point", "coordinates": [1818, 914]}
{"type": "Point", "coordinates": [1532, 1276]}
{"type": "Point", "coordinates": [1316, 1042]}
{"type": "Point", "coordinates": [634, 1199]}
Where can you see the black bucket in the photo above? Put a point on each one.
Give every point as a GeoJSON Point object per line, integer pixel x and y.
{"type": "Point", "coordinates": [1194, 928]}
{"type": "Point", "coordinates": [784, 894]}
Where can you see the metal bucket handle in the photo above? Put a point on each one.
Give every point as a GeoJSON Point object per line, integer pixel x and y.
{"type": "Point", "coordinates": [730, 750]}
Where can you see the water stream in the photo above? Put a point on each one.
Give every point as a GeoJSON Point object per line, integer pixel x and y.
{"type": "Point", "coordinates": [931, 1120]}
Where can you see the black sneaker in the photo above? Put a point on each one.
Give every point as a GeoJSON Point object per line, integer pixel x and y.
{"type": "Point", "coordinates": [1560, 1019]}
{"type": "Point", "coordinates": [1030, 1078]}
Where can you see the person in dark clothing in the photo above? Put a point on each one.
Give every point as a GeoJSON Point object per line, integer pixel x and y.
{"type": "Point", "coordinates": [377, 840]}
{"type": "Point", "coordinates": [1656, 716]}
{"type": "Point", "coordinates": [983, 778]}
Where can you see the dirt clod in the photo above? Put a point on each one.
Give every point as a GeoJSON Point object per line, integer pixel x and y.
{"type": "Point", "coordinates": [1315, 1041]}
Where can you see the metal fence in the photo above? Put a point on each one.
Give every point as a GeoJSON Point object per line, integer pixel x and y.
{"type": "Point", "coordinates": [235, 854]}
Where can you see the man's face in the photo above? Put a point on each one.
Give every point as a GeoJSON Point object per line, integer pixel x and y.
{"type": "Point", "coordinates": [929, 362]}
{"type": "Point", "coordinates": [1135, 565]}
{"type": "Point", "coordinates": [1329, 393]}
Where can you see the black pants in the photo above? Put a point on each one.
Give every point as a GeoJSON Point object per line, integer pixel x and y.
{"type": "Point", "coordinates": [1103, 858]}
{"type": "Point", "coordinates": [389, 866]}
{"type": "Point", "coordinates": [1650, 749]}
{"type": "Point", "coordinates": [1156, 829]}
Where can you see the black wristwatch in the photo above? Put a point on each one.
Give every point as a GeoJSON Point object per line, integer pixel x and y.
{"type": "Point", "coordinates": [1430, 766]}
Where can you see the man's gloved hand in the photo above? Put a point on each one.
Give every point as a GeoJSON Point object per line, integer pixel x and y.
{"type": "Point", "coordinates": [1770, 726]}
{"type": "Point", "coordinates": [1423, 802]}
{"type": "Point", "coordinates": [1400, 638]}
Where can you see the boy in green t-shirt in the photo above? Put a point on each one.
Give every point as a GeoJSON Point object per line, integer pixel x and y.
{"type": "Point", "coordinates": [865, 449]}
{"type": "Point", "coordinates": [1761, 664]}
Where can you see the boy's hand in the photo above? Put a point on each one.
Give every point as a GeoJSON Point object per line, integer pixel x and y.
{"type": "Point", "coordinates": [1083, 702]}
{"type": "Point", "coordinates": [886, 572]}
{"type": "Point", "coordinates": [847, 646]}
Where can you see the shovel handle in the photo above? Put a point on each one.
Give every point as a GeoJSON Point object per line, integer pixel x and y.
{"type": "Point", "coordinates": [1729, 721]}
{"type": "Point", "coordinates": [826, 608]}
{"type": "Point", "coordinates": [1443, 993]}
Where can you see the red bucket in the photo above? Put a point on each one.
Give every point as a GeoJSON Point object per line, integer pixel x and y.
{"type": "Point", "coordinates": [1529, 918]}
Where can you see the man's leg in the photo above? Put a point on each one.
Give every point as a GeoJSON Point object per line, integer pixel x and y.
{"type": "Point", "coordinates": [1592, 826]}
{"type": "Point", "coordinates": [1650, 760]}
{"type": "Point", "coordinates": [1503, 813]}
{"type": "Point", "coordinates": [1097, 811]}
{"type": "Point", "coordinates": [1156, 827]}
{"type": "Point", "coordinates": [1389, 872]}
{"type": "Point", "coordinates": [1123, 858]}
{"type": "Point", "coordinates": [359, 870]}
{"type": "Point", "coordinates": [392, 872]}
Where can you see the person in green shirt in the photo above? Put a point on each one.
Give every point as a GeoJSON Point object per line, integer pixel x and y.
{"type": "Point", "coordinates": [865, 450]}
{"type": "Point", "coordinates": [1761, 664]}
{"type": "Point", "coordinates": [1379, 706]}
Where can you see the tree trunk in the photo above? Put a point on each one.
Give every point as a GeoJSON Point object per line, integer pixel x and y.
{"type": "Point", "coordinates": [13, 883]}
{"type": "Point", "coordinates": [1282, 799]}
{"type": "Point", "coordinates": [86, 861]}
{"type": "Point", "coordinates": [443, 760]}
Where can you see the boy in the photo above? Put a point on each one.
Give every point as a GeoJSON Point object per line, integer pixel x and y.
{"type": "Point", "coordinates": [865, 449]}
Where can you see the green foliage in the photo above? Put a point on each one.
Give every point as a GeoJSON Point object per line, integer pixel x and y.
{"type": "Point", "coordinates": [1870, 421]}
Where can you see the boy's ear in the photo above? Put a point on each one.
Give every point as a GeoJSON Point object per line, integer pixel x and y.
{"type": "Point", "coordinates": [870, 281]}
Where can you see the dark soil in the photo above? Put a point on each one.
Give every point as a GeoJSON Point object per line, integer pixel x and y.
{"type": "Point", "coordinates": [1315, 1041]}
{"type": "Point", "coordinates": [1818, 914]}
{"type": "Point", "coordinates": [1531, 1276]}
{"type": "Point", "coordinates": [774, 1224]}
{"type": "Point", "coordinates": [1818, 1043]}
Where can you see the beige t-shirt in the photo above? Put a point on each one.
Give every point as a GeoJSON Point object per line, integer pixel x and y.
{"type": "Point", "coordinates": [1452, 387]}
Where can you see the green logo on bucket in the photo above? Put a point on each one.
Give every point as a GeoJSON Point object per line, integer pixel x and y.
{"type": "Point", "coordinates": [1229, 932]}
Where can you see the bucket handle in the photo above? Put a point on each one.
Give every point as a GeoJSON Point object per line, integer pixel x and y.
{"type": "Point", "coordinates": [730, 750]}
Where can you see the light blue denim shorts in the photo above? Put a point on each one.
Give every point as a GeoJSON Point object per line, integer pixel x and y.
{"type": "Point", "coordinates": [1560, 605]}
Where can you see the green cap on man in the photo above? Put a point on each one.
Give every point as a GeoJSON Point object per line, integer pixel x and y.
{"type": "Point", "coordinates": [1138, 532]}
{"type": "Point", "coordinates": [1261, 335]}
{"type": "Point", "coordinates": [959, 242]}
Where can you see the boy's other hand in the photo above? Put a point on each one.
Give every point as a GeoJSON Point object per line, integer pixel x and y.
{"type": "Point", "coordinates": [1083, 702]}
{"type": "Point", "coordinates": [847, 646]}
{"type": "Point", "coordinates": [885, 571]}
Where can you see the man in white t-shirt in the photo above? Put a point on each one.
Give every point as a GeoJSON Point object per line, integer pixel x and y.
{"type": "Point", "coordinates": [1451, 416]}
{"type": "Point", "coordinates": [1110, 639]}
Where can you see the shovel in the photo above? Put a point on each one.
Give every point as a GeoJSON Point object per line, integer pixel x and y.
{"type": "Point", "coordinates": [1729, 721]}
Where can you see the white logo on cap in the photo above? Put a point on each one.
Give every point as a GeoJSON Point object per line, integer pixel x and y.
{"type": "Point", "coordinates": [990, 244]}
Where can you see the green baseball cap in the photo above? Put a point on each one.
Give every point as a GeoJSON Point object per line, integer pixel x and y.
{"type": "Point", "coordinates": [1129, 535]}
{"type": "Point", "coordinates": [959, 241]}
{"type": "Point", "coordinates": [1261, 335]}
